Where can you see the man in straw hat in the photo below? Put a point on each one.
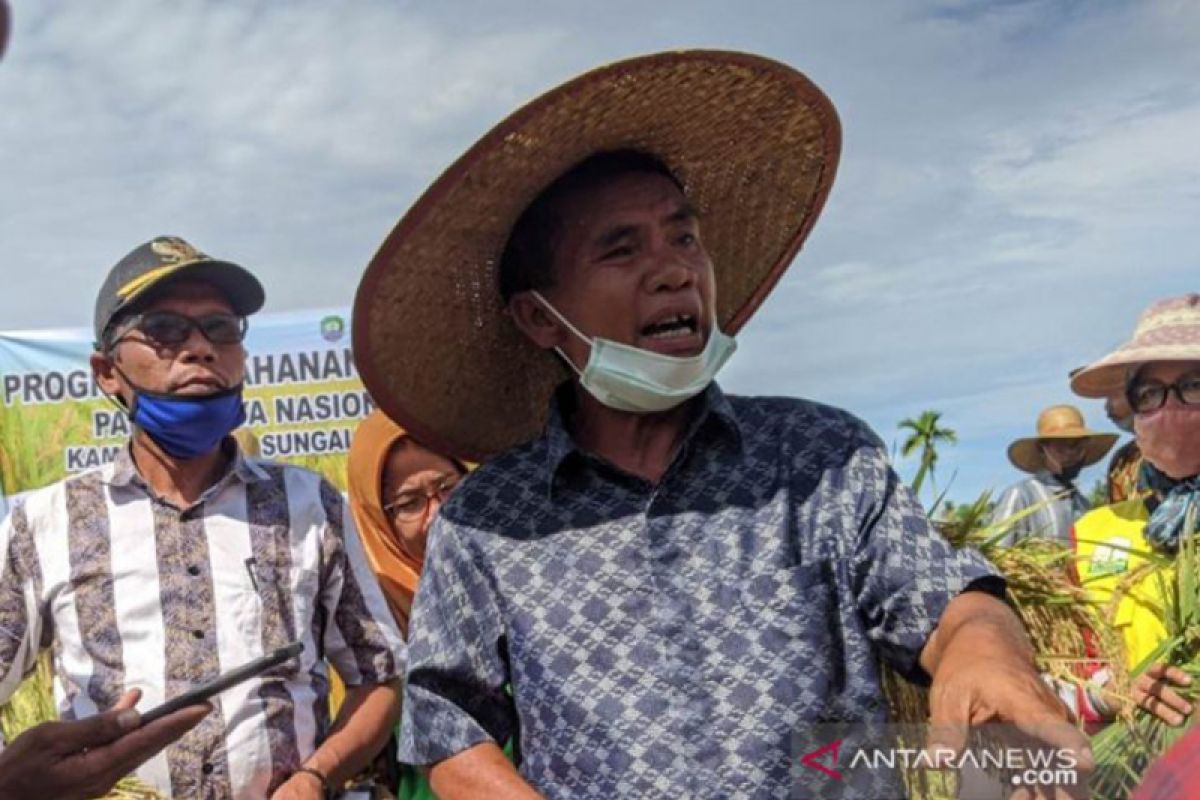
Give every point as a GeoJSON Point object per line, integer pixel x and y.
{"type": "Point", "coordinates": [1158, 372]}
{"type": "Point", "coordinates": [673, 581]}
{"type": "Point", "coordinates": [1053, 458]}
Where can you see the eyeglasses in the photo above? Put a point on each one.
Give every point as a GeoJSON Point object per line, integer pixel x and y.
{"type": "Point", "coordinates": [408, 506]}
{"type": "Point", "coordinates": [1146, 396]}
{"type": "Point", "coordinates": [172, 328]}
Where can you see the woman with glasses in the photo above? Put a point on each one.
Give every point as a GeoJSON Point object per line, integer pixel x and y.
{"type": "Point", "coordinates": [396, 486]}
{"type": "Point", "coordinates": [1158, 373]}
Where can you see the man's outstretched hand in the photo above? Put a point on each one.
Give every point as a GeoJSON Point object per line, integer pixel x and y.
{"type": "Point", "coordinates": [85, 758]}
{"type": "Point", "coordinates": [983, 671]}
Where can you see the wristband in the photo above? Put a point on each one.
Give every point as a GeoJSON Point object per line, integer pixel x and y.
{"type": "Point", "coordinates": [316, 773]}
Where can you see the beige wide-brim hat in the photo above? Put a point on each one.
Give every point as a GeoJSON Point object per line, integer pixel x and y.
{"type": "Point", "coordinates": [754, 143]}
{"type": "Point", "coordinates": [1059, 422]}
{"type": "Point", "coordinates": [1169, 330]}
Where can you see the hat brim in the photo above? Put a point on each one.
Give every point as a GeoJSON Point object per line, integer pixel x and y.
{"type": "Point", "coordinates": [243, 291]}
{"type": "Point", "coordinates": [1026, 456]}
{"type": "Point", "coordinates": [755, 144]}
{"type": "Point", "coordinates": [1107, 377]}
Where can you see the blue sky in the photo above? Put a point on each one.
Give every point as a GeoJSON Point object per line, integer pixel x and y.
{"type": "Point", "coordinates": [1019, 179]}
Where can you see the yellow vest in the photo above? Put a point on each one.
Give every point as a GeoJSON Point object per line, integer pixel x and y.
{"type": "Point", "coordinates": [1104, 538]}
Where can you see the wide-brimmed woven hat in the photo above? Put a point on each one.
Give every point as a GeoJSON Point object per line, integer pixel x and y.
{"type": "Point", "coordinates": [1059, 422]}
{"type": "Point", "coordinates": [754, 143]}
{"type": "Point", "coordinates": [1169, 330]}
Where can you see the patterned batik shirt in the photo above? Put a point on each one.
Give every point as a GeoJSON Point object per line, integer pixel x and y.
{"type": "Point", "coordinates": [1124, 468]}
{"type": "Point", "coordinates": [131, 592]}
{"type": "Point", "coordinates": [666, 640]}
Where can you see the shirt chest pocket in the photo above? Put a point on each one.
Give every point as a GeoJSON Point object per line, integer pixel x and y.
{"type": "Point", "coordinates": [237, 603]}
{"type": "Point", "coordinates": [797, 602]}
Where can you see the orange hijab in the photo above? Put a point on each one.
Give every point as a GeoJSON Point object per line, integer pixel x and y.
{"type": "Point", "coordinates": [397, 571]}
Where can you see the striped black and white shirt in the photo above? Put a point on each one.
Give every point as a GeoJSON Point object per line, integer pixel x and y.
{"type": "Point", "coordinates": [1056, 505]}
{"type": "Point", "coordinates": [132, 592]}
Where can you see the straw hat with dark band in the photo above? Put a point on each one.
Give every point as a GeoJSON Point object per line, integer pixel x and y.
{"type": "Point", "coordinates": [755, 144]}
{"type": "Point", "coordinates": [1059, 423]}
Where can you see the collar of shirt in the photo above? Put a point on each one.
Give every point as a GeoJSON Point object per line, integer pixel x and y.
{"type": "Point", "coordinates": [1055, 482]}
{"type": "Point", "coordinates": [124, 470]}
{"type": "Point", "coordinates": [714, 412]}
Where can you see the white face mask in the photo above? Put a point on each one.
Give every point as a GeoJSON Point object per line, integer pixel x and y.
{"type": "Point", "coordinates": [640, 381]}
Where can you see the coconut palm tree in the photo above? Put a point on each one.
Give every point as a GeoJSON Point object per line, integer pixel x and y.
{"type": "Point", "coordinates": [926, 434]}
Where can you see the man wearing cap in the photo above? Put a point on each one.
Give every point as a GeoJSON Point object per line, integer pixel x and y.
{"type": "Point", "coordinates": [1053, 458]}
{"type": "Point", "coordinates": [1158, 372]}
{"type": "Point", "coordinates": [184, 559]}
{"type": "Point", "coordinates": [672, 581]}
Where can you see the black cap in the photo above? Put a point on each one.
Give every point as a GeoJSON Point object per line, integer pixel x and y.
{"type": "Point", "coordinates": [161, 262]}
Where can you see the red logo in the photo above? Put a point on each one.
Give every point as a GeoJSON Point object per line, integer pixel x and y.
{"type": "Point", "coordinates": [813, 759]}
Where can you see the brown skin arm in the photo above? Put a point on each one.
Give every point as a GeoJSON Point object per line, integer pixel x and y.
{"type": "Point", "coordinates": [85, 758]}
{"type": "Point", "coordinates": [364, 722]}
{"type": "Point", "coordinates": [983, 671]}
{"type": "Point", "coordinates": [479, 771]}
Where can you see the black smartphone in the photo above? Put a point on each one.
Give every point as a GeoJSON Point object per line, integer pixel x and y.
{"type": "Point", "coordinates": [223, 682]}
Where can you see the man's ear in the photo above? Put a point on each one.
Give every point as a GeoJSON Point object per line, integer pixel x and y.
{"type": "Point", "coordinates": [539, 325]}
{"type": "Point", "coordinates": [105, 375]}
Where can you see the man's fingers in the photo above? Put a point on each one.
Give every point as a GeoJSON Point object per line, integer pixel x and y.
{"type": "Point", "coordinates": [1178, 677]}
{"type": "Point", "coordinates": [1055, 732]}
{"type": "Point", "coordinates": [949, 726]}
{"type": "Point", "coordinates": [127, 753]}
{"type": "Point", "coordinates": [1146, 688]}
{"type": "Point", "coordinates": [1174, 700]}
{"type": "Point", "coordinates": [1158, 707]}
{"type": "Point", "coordinates": [94, 731]}
{"type": "Point", "coordinates": [128, 700]}
{"type": "Point", "coordinates": [1164, 671]}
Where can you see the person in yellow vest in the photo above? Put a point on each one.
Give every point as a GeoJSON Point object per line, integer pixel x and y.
{"type": "Point", "coordinates": [1158, 373]}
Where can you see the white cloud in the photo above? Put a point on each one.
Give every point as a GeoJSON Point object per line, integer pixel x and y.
{"type": "Point", "coordinates": [1017, 180]}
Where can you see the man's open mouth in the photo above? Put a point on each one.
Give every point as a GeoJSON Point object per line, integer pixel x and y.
{"type": "Point", "coordinates": [673, 327]}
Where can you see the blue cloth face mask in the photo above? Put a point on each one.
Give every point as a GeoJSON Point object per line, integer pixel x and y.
{"type": "Point", "coordinates": [187, 426]}
{"type": "Point", "coordinates": [628, 378]}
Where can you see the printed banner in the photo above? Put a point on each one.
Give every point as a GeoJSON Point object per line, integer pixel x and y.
{"type": "Point", "coordinates": [303, 400]}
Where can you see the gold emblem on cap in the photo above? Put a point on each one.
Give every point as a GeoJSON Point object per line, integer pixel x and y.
{"type": "Point", "coordinates": [174, 252]}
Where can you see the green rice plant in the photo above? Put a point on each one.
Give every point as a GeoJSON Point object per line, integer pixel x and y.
{"type": "Point", "coordinates": [1126, 748]}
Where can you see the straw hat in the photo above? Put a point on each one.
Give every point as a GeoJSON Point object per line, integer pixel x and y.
{"type": "Point", "coordinates": [1169, 330]}
{"type": "Point", "coordinates": [754, 143]}
{"type": "Point", "coordinates": [1057, 423]}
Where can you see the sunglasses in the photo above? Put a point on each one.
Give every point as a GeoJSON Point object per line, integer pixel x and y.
{"type": "Point", "coordinates": [171, 328]}
{"type": "Point", "coordinates": [1144, 396]}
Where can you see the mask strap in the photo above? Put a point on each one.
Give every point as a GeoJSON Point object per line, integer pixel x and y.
{"type": "Point", "coordinates": [570, 363]}
{"type": "Point", "coordinates": [578, 333]}
{"type": "Point", "coordinates": [118, 402]}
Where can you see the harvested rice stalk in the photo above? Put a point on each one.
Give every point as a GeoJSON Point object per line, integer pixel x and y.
{"type": "Point", "coordinates": [1067, 628]}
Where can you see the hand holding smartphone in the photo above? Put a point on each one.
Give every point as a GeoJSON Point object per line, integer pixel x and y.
{"type": "Point", "coordinates": [222, 682]}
